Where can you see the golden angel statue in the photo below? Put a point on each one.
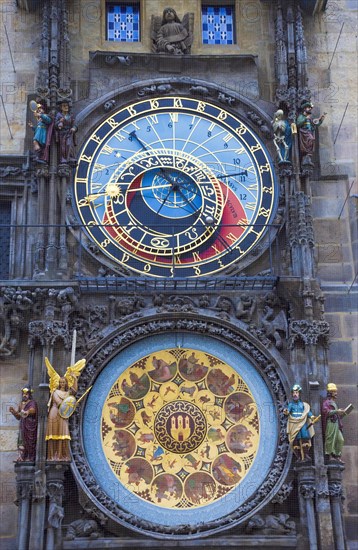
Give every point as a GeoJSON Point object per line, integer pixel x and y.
{"type": "Point", "coordinates": [61, 405]}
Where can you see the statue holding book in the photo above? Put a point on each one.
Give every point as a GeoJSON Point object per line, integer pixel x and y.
{"type": "Point", "coordinates": [332, 424]}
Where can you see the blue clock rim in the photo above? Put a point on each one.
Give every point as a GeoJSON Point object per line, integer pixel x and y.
{"type": "Point", "coordinates": [217, 263]}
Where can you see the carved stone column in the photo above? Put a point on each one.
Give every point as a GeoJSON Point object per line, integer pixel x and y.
{"type": "Point", "coordinates": [24, 488]}
{"type": "Point", "coordinates": [55, 489]}
{"type": "Point", "coordinates": [306, 488]}
{"type": "Point", "coordinates": [336, 496]}
{"type": "Point", "coordinates": [42, 197]}
{"type": "Point", "coordinates": [64, 173]}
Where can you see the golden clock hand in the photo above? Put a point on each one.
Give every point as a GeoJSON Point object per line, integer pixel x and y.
{"type": "Point", "coordinates": [94, 196]}
{"type": "Point", "coordinates": [112, 190]}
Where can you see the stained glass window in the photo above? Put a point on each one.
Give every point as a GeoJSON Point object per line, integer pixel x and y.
{"type": "Point", "coordinates": [123, 22]}
{"type": "Point", "coordinates": [218, 24]}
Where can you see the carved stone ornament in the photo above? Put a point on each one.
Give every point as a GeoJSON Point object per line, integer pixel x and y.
{"type": "Point", "coordinates": [169, 322]}
{"type": "Point", "coordinates": [48, 332]}
{"type": "Point", "coordinates": [300, 221]}
{"type": "Point", "coordinates": [23, 491]}
{"type": "Point", "coordinates": [280, 524]}
{"type": "Point", "coordinates": [310, 332]}
{"type": "Point", "coordinates": [307, 490]}
{"type": "Point", "coordinates": [283, 493]}
{"type": "Point", "coordinates": [335, 490]}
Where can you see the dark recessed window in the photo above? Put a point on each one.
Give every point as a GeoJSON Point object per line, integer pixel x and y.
{"type": "Point", "coordinates": [5, 221]}
{"type": "Point", "coordinates": [218, 23]}
{"type": "Point", "coordinates": [123, 22]}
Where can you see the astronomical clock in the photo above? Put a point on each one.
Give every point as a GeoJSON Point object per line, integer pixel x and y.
{"type": "Point", "coordinates": [174, 186]}
{"type": "Point", "coordinates": [180, 429]}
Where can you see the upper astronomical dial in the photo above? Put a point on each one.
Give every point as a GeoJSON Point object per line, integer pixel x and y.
{"type": "Point", "coordinates": [174, 187]}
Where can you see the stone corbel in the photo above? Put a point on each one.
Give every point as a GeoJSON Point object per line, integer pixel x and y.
{"type": "Point", "coordinates": [310, 332]}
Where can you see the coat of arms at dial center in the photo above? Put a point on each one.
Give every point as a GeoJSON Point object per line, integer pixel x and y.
{"type": "Point", "coordinates": [180, 427]}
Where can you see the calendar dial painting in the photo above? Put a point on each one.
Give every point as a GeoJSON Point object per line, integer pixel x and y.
{"type": "Point", "coordinates": [180, 428]}
{"type": "Point", "coordinates": [174, 186]}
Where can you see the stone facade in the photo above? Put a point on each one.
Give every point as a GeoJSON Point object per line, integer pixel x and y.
{"type": "Point", "coordinates": [308, 275]}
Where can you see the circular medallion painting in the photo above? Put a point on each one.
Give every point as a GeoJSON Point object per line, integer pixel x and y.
{"type": "Point", "coordinates": [180, 428]}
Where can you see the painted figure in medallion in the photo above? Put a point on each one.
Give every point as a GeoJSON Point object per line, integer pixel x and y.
{"type": "Point", "coordinates": [299, 424]}
{"type": "Point", "coordinates": [26, 413]}
{"type": "Point", "coordinates": [60, 406]}
{"type": "Point", "coordinates": [332, 424]}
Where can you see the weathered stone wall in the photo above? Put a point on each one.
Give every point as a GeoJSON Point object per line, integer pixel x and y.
{"type": "Point", "coordinates": [330, 40]}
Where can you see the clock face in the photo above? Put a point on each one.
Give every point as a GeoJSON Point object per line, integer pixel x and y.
{"type": "Point", "coordinates": [174, 186]}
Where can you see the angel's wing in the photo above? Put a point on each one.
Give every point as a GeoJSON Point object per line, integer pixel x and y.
{"type": "Point", "coordinates": [155, 24]}
{"type": "Point", "coordinates": [73, 372]}
{"type": "Point", "coordinates": [188, 23]}
{"type": "Point", "coordinates": [280, 322]}
{"type": "Point", "coordinates": [54, 377]}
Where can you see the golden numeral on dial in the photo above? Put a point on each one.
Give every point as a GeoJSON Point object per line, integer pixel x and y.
{"type": "Point", "coordinates": [107, 150]}
{"type": "Point", "coordinates": [154, 104]}
{"type": "Point", "coordinates": [113, 123]}
{"type": "Point", "coordinates": [222, 115]}
{"type": "Point", "coordinates": [178, 103]}
{"type": "Point", "coordinates": [86, 158]}
{"type": "Point", "coordinates": [240, 130]}
{"type": "Point", "coordinates": [264, 168]}
{"type": "Point", "coordinates": [105, 243]}
{"type": "Point", "coordinates": [255, 148]}
{"type": "Point", "coordinates": [173, 117]}
{"type": "Point", "coordinates": [264, 212]}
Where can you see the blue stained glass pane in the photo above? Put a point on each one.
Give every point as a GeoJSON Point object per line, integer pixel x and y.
{"type": "Point", "coordinates": [218, 24]}
{"type": "Point", "coordinates": [123, 22]}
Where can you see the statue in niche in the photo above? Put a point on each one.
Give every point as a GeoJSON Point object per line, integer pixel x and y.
{"type": "Point", "coordinates": [42, 131]}
{"type": "Point", "coordinates": [170, 35]}
{"type": "Point", "coordinates": [61, 405]}
{"type": "Point", "coordinates": [65, 130]}
{"type": "Point", "coordinates": [307, 131]}
{"type": "Point", "coordinates": [26, 413]}
{"type": "Point", "coordinates": [299, 424]}
{"type": "Point", "coordinates": [332, 424]}
{"type": "Point", "coordinates": [282, 136]}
